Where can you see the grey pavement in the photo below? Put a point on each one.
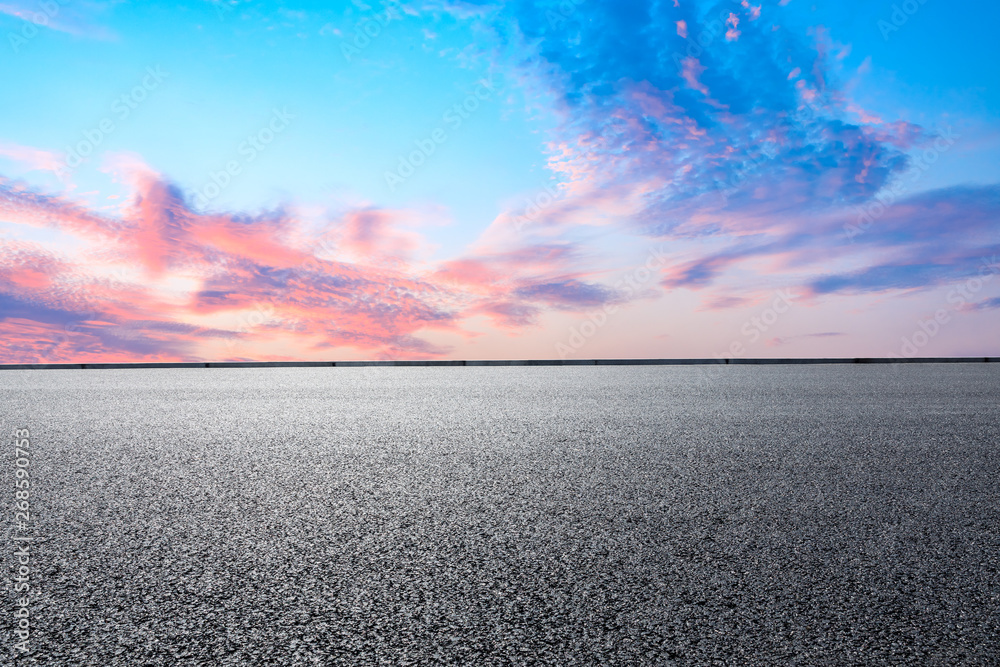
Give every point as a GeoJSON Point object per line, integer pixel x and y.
{"type": "Point", "coordinates": [626, 515]}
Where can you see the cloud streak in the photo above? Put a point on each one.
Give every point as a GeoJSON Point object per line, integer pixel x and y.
{"type": "Point", "coordinates": [187, 269]}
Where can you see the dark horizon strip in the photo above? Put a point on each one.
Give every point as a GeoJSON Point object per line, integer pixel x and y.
{"type": "Point", "coordinates": [501, 362]}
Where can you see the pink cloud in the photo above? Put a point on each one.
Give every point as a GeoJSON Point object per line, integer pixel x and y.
{"type": "Point", "coordinates": [733, 22]}
{"type": "Point", "coordinates": [235, 268]}
{"type": "Point", "coordinates": [20, 205]}
{"type": "Point", "coordinates": [692, 69]}
{"type": "Point", "coordinates": [752, 12]}
{"type": "Point", "coordinates": [60, 16]}
{"type": "Point", "coordinates": [33, 159]}
{"type": "Point", "coordinates": [378, 235]}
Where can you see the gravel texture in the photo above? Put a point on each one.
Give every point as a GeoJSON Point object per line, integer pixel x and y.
{"type": "Point", "coordinates": [769, 515]}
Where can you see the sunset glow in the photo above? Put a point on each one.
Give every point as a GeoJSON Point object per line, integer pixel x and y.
{"type": "Point", "coordinates": [213, 181]}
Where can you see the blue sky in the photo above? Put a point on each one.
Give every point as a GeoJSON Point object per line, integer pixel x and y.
{"type": "Point", "coordinates": [738, 144]}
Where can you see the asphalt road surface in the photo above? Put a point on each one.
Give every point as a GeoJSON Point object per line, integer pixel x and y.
{"type": "Point", "coordinates": [743, 515]}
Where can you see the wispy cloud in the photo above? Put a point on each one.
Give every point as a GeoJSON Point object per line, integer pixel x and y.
{"type": "Point", "coordinates": [187, 270]}
{"type": "Point", "coordinates": [77, 18]}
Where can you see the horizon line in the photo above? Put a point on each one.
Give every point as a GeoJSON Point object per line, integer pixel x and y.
{"type": "Point", "coordinates": [498, 362]}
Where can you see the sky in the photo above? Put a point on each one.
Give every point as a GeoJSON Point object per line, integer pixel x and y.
{"type": "Point", "coordinates": [225, 180]}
